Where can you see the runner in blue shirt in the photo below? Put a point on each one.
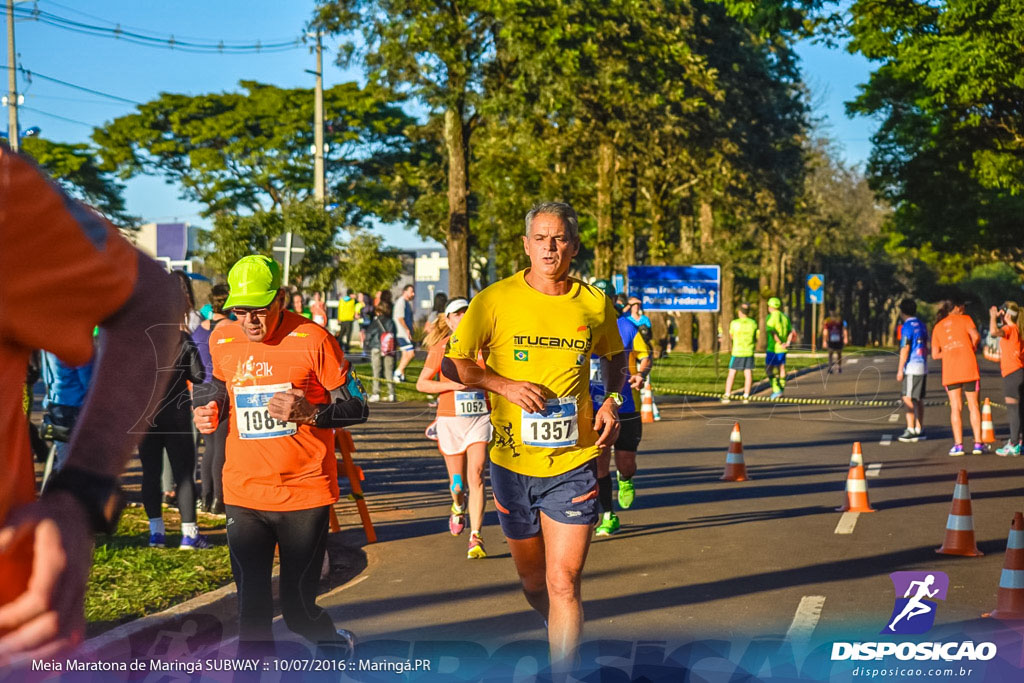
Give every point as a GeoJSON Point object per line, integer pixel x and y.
{"type": "Point", "coordinates": [631, 426]}
{"type": "Point", "coordinates": [912, 372]}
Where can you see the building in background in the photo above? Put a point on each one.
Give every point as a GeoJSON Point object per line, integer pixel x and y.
{"type": "Point", "coordinates": [173, 244]}
{"type": "Point", "coordinates": [430, 276]}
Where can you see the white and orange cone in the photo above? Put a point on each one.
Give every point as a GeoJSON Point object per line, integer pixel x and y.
{"type": "Point", "coordinates": [988, 432]}
{"type": "Point", "coordinates": [1010, 600]}
{"type": "Point", "coordinates": [646, 405]}
{"type": "Point", "coordinates": [960, 523]}
{"type": "Point", "coordinates": [856, 485]}
{"type": "Point", "coordinates": [735, 468]}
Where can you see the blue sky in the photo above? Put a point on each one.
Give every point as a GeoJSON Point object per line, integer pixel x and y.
{"type": "Point", "coordinates": [140, 73]}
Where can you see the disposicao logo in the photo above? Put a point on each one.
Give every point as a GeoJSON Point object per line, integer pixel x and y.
{"type": "Point", "coordinates": [915, 611]}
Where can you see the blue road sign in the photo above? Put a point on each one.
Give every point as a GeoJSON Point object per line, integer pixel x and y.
{"type": "Point", "coordinates": [815, 288]}
{"type": "Point", "coordinates": [677, 288]}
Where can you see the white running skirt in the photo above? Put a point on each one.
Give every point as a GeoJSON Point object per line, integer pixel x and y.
{"type": "Point", "coordinates": [456, 434]}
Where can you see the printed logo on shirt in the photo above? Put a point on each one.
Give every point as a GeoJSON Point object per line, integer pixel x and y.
{"type": "Point", "coordinates": [249, 370]}
{"type": "Point", "coordinates": [300, 335]}
{"type": "Point", "coordinates": [521, 355]}
{"type": "Point", "coordinates": [225, 340]}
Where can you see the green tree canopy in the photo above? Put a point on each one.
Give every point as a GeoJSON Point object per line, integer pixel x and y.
{"type": "Point", "coordinates": [76, 168]}
{"type": "Point", "coordinates": [949, 90]}
{"type": "Point", "coordinates": [250, 151]}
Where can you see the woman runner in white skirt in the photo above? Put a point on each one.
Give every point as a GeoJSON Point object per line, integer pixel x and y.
{"type": "Point", "coordinates": [462, 430]}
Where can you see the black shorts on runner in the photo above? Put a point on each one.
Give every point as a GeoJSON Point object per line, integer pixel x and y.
{"type": "Point", "coordinates": [631, 430]}
{"type": "Point", "coordinates": [835, 346]}
{"type": "Point", "coordinates": [1013, 384]}
{"type": "Point", "coordinates": [969, 387]}
{"type": "Point", "coordinates": [914, 386]}
{"type": "Point", "coordinates": [567, 498]}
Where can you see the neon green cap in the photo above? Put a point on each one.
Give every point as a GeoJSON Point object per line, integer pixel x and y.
{"type": "Point", "coordinates": [774, 302]}
{"type": "Point", "coordinates": [254, 281]}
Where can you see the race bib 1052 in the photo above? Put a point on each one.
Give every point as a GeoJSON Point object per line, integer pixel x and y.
{"type": "Point", "coordinates": [470, 403]}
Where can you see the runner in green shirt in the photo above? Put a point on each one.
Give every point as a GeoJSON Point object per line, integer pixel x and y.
{"type": "Point", "coordinates": [743, 333]}
{"type": "Point", "coordinates": [779, 333]}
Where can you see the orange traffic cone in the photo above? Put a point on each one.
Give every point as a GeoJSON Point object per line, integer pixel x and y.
{"type": "Point", "coordinates": [1010, 600]}
{"type": "Point", "coordinates": [735, 468]}
{"type": "Point", "coordinates": [856, 485]}
{"type": "Point", "coordinates": [646, 405]}
{"type": "Point", "coordinates": [856, 457]}
{"type": "Point", "coordinates": [960, 523]}
{"type": "Point", "coordinates": [988, 432]}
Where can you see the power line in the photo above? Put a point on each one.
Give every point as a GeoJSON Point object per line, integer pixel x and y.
{"type": "Point", "coordinates": [74, 10]}
{"type": "Point", "coordinates": [35, 74]}
{"type": "Point", "coordinates": [57, 116]}
{"type": "Point", "coordinates": [162, 41]}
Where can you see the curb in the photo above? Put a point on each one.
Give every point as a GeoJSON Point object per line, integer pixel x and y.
{"type": "Point", "coordinates": [215, 610]}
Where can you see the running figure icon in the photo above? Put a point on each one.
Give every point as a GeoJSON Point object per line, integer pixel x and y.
{"type": "Point", "coordinates": [915, 606]}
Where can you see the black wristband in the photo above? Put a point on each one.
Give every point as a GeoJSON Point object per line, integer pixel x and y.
{"type": "Point", "coordinates": [101, 496]}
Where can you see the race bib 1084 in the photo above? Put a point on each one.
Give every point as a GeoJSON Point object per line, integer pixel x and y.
{"type": "Point", "coordinates": [252, 418]}
{"type": "Point", "coordinates": [556, 426]}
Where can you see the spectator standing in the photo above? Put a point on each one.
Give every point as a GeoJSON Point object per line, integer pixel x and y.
{"type": "Point", "coordinates": [171, 431]}
{"type": "Point", "coordinates": [192, 316]}
{"type": "Point", "coordinates": [211, 498]}
{"type": "Point", "coordinates": [381, 337]}
{"type": "Point", "coordinates": [1007, 325]}
{"type": "Point", "coordinates": [403, 317]}
{"type": "Point", "coordinates": [317, 310]}
{"type": "Point", "coordinates": [955, 340]}
{"type": "Point", "coordinates": [366, 312]}
{"type": "Point", "coordinates": [346, 320]}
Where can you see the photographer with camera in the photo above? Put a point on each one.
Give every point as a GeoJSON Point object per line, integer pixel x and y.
{"type": "Point", "coordinates": [1006, 324]}
{"type": "Point", "coordinates": [66, 387]}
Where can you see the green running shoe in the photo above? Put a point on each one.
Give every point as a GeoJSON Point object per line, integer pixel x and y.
{"type": "Point", "coordinates": [609, 525]}
{"type": "Point", "coordinates": [627, 492]}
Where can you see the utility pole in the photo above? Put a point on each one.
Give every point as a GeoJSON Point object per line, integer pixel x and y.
{"type": "Point", "coordinates": [319, 181]}
{"type": "Point", "coordinates": [12, 81]}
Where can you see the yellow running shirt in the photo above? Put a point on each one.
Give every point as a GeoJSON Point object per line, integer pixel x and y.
{"type": "Point", "coordinates": [547, 340]}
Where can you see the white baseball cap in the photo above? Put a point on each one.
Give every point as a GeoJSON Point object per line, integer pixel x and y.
{"type": "Point", "coordinates": [456, 305]}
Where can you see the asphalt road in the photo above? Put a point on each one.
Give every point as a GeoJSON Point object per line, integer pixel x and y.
{"type": "Point", "coordinates": [698, 558]}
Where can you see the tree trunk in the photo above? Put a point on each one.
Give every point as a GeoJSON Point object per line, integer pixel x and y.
{"type": "Point", "coordinates": [456, 138]}
{"type": "Point", "coordinates": [705, 321]}
{"type": "Point", "coordinates": [684, 323]}
{"type": "Point", "coordinates": [728, 308]}
{"type": "Point", "coordinates": [765, 292]}
{"type": "Point", "coordinates": [627, 249]}
{"type": "Point", "coordinates": [603, 253]}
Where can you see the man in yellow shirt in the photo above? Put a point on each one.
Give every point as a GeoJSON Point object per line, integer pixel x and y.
{"type": "Point", "coordinates": [537, 330]}
{"type": "Point", "coordinates": [346, 317]}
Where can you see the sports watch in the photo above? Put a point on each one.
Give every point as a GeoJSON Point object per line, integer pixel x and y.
{"type": "Point", "coordinates": [616, 399]}
{"type": "Point", "coordinates": [101, 496]}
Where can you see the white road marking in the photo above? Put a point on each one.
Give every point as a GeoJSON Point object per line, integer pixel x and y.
{"type": "Point", "coordinates": [874, 469]}
{"type": "Point", "coordinates": [880, 360]}
{"type": "Point", "coordinates": [886, 440]}
{"type": "Point", "coordinates": [847, 522]}
{"type": "Point", "coordinates": [806, 618]}
{"type": "Point", "coordinates": [894, 417]}
{"type": "Point", "coordinates": [852, 361]}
